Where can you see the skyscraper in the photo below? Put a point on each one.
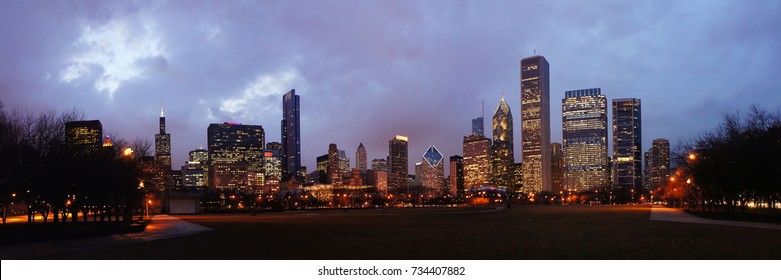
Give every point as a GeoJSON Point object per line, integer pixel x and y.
{"type": "Point", "coordinates": [163, 145]}
{"type": "Point", "coordinates": [502, 158]}
{"type": "Point", "coordinates": [291, 135]}
{"type": "Point", "coordinates": [456, 175]}
{"type": "Point", "coordinates": [397, 164]}
{"type": "Point", "coordinates": [234, 151]}
{"type": "Point", "coordinates": [477, 126]}
{"type": "Point", "coordinates": [379, 164]}
{"type": "Point", "coordinates": [477, 161]}
{"type": "Point", "coordinates": [627, 143]}
{"type": "Point", "coordinates": [433, 169]}
{"type": "Point", "coordinates": [584, 131]}
{"type": "Point", "coordinates": [84, 136]}
{"type": "Point", "coordinates": [557, 167]}
{"type": "Point", "coordinates": [334, 166]}
{"type": "Point", "coordinates": [658, 163]}
{"type": "Point", "coordinates": [360, 158]}
{"type": "Point", "coordinates": [535, 124]}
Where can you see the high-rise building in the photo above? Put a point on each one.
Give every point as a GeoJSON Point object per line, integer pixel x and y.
{"type": "Point", "coordinates": [456, 175]}
{"type": "Point", "coordinates": [360, 158]}
{"type": "Point", "coordinates": [291, 135]}
{"type": "Point", "coordinates": [535, 124]}
{"type": "Point", "coordinates": [163, 145]}
{"type": "Point", "coordinates": [344, 163]}
{"type": "Point", "coordinates": [272, 164]}
{"type": "Point", "coordinates": [379, 164]}
{"type": "Point", "coordinates": [276, 146]}
{"type": "Point", "coordinates": [658, 163]}
{"type": "Point", "coordinates": [195, 171]}
{"type": "Point", "coordinates": [502, 159]}
{"type": "Point", "coordinates": [322, 169]}
{"type": "Point", "coordinates": [234, 150]}
{"type": "Point", "coordinates": [477, 161]}
{"type": "Point", "coordinates": [518, 183]}
{"type": "Point", "coordinates": [627, 143]}
{"type": "Point", "coordinates": [397, 163]}
{"type": "Point", "coordinates": [584, 131]}
{"type": "Point", "coordinates": [84, 136]}
{"type": "Point", "coordinates": [334, 166]}
{"type": "Point", "coordinates": [433, 169]}
{"type": "Point", "coordinates": [477, 126]}
{"type": "Point", "coordinates": [419, 172]}
{"type": "Point", "coordinates": [557, 167]}
{"type": "Point", "coordinates": [379, 179]}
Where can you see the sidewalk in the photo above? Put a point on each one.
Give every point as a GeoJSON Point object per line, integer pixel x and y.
{"type": "Point", "coordinates": [161, 227]}
{"type": "Point", "coordinates": [666, 214]}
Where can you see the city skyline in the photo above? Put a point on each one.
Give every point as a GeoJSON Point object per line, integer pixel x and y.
{"type": "Point", "coordinates": [216, 73]}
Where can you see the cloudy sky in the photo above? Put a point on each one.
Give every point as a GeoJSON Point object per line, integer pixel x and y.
{"type": "Point", "coordinates": [368, 70]}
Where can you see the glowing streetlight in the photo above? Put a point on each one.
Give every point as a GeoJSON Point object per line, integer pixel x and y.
{"type": "Point", "coordinates": [128, 152]}
{"type": "Point", "coordinates": [692, 156]}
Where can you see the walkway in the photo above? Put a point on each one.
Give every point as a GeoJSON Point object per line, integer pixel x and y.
{"type": "Point", "coordinates": [666, 214]}
{"type": "Point", "coordinates": [161, 227]}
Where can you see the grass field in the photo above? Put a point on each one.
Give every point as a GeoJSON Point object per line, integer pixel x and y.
{"type": "Point", "coordinates": [521, 232]}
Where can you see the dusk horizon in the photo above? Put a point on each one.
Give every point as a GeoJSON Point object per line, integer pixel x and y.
{"type": "Point", "coordinates": [423, 76]}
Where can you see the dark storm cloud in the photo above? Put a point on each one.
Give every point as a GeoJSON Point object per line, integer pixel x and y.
{"type": "Point", "coordinates": [367, 71]}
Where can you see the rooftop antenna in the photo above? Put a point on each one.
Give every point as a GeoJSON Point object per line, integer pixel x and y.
{"type": "Point", "coordinates": [535, 51]}
{"type": "Point", "coordinates": [161, 109]}
{"type": "Point", "coordinates": [482, 110]}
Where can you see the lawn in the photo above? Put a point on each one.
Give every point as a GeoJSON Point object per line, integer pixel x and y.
{"type": "Point", "coordinates": [521, 232]}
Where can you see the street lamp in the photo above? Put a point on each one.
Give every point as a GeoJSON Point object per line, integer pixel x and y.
{"type": "Point", "coordinates": [148, 202]}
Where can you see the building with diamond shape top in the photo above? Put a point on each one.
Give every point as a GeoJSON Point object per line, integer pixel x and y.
{"type": "Point", "coordinates": [433, 169]}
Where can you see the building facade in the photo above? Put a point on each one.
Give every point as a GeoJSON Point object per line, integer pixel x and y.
{"type": "Point", "coordinates": [291, 135]}
{"type": "Point", "coordinates": [334, 166]}
{"type": "Point", "coordinates": [477, 161]}
{"type": "Point", "coordinates": [398, 159]}
{"type": "Point", "coordinates": [557, 167]}
{"type": "Point", "coordinates": [627, 143]}
{"type": "Point", "coordinates": [535, 124]}
{"type": "Point", "coordinates": [502, 159]}
{"type": "Point", "coordinates": [379, 164]}
{"type": "Point", "coordinates": [456, 176]}
{"type": "Point", "coordinates": [360, 158]}
{"type": "Point", "coordinates": [163, 145]}
{"type": "Point", "coordinates": [234, 150]}
{"type": "Point", "coordinates": [584, 131]}
{"type": "Point", "coordinates": [658, 163]}
{"type": "Point", "coordinates": [433, 169]}
{"type": "Point", "coordinates": [84, 136]}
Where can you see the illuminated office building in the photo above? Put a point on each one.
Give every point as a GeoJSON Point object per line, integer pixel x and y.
{"type": "Point", "coordinates": [398, 159]}
{"type": "Point", "coordinates": [360, 158]}
{"type": "Point", "coordinates": [235, 151]}
{"type": "Point", "coordinates": [291, 135]}
{"type": "Point", "coordinates": [334, 166]}
{"type": "Point", "coordinates": [535, 124]}
{"type": "Point", "coordinates": [502, 159]}
{"type": "Point", "coordinates": [477, 161]}
{"type": "Point", "coordinates": [557, 167]}
{"type": "Point", "coordinates": [163, 146]}
{"type": "Point", "coordinates": [456, 175]}
{"type": "Point", "coordinates": [84, 136]}
{"type": "Point", "coordinates": [433, 171]}
{"type": "Point", "coordinates": [657, 163]}
{"type": "Point", "coordinates": [627, 143]}
{"type": "Point", "coordinates": [584, 130]}
{"type": "Point", "coordinates": [379, 164]}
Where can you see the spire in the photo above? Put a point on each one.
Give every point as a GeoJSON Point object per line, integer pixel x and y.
{"type": "Point", "coordinates": [161, 110]}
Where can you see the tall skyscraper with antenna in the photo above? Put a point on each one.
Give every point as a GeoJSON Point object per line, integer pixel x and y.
{"type": "Point", "coordinates": [163, 145]}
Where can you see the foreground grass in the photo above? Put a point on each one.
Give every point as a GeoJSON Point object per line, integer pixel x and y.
{"type": "Point", "coordinates": [522, 232]}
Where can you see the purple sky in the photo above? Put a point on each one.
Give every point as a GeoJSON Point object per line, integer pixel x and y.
{"type": "Point", "coordinates": [368, 70]}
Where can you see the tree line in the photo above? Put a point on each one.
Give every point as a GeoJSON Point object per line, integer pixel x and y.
{"type": "Point", "coordinates": [39, 170]}
{"type": "Point", "coordinates": [732, 167]}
